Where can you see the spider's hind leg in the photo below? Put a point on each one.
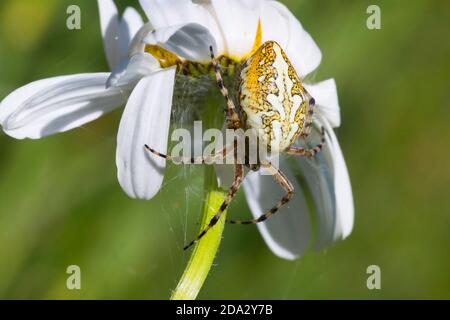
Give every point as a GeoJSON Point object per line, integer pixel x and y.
{"type": "Point", "coordinates": [307, 126]}
{"type": "Point", "coordinates": [304, 152]}
{"type": "Point", "coordinates": [287, 186]}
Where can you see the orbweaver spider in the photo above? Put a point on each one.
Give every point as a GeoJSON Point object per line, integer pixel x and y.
{"type": "Point", "coordinates": [272, 99]}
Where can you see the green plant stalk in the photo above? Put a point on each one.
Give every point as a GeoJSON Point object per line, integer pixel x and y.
{"type": "Point", "coordinates": [205, 250]}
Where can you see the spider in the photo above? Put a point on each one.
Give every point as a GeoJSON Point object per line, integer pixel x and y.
{"type": "Point", "coordinates": [272, 99]}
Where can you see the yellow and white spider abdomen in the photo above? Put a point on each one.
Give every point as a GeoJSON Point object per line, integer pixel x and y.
{"type": "Point", "coordinates": [272, 97]}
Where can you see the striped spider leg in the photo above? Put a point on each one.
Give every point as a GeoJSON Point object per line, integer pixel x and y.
{"type": "Point", "coordinates": [284, 183]}
{"type": "Point", "coordinates": [192, 160]}
{"type": "Point", "coordinates": [306, 130]}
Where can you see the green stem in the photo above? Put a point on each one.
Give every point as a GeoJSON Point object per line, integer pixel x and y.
{"type": "Point", "coordinates": [205, 250]}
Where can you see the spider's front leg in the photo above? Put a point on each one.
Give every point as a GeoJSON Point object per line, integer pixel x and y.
{"type": "Point", "coordinates": [287, 186]}
{"type": "Point", "coordinates": [232, 117]}
{"type": "Point", "coordinates": [193, 160]}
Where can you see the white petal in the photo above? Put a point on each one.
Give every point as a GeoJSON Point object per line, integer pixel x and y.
{"type": "Point", "coordinates": [288, 232]}
{"type": "Point", "coordinates": [319, 177]}
{"type": "Point", "coordinates": [279, 24]}
{"type": "Point", "coordinates": [275, 26]}
{"type": "Point", "coordinates": [238, 21]}
{"type": "Point", "coordinates": [325, 94]}
{"type": "Point", "coordinates": [167, 13]}
{"type": "Point", "coordinates": [343, 189]}
{"type": "Point", "coordinates": [327, 177]}
{"type": "Point", "coordinates": [146, 120]}
{"type": "Point", "coordinates": [117, 34]}
{"type": "Point", "coordinates": [58, 104]}
{"type": "Point", "coordinates": [131, 23]}
{"type": "Point", "coordinates": [130, 71]}
{"type": "Point", "coordinates": [164, 13]}
{"type": "Point", "coordinates": [109, 23]}
{"type": "Point", "coordinates": [137, 45]}
{"type": "Point", "coordinates": [191, 41]}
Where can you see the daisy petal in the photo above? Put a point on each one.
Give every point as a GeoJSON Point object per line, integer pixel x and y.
{"type": "Point", "coordinates": [325, 94]}
{"type": "Point", "coordinates": [327, 177]}
{"type": "Point", "coordinates": [288, 232]}
{"type": "Point", "coordinates": [109, 23]}
{"type": "Point", "coordinates": [274, 25]}
{"type": "Point", "coordinates": [238, 20]}
{"type": "Point", "coordinates": [164, 13]}
{"type": "Point", "coordinates": [131, 24]}
{"type": "Point", "coordinates": [191, 41]}
{"type": "Point", "coordinates": [58, 104]}
{"type": "Point", "coordinates": [130, 71]}
{"type": "Point", "coordinates": [137, 45]}
{"type": "Point", "coordinates": [279, 24]}
{"type": "Point", "coordinates": [145, 120]}
{"type": "Point", "coordinates": [343, 189]}
{"type": "Point", "coordinates": [167, 13]}
{"type": "Point", "coordinates": [319, 178]}
{"type": "Point", "coordinates": [117, 33]}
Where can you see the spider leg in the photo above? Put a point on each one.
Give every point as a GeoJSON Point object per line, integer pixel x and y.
{"type": "Point", "coordinates": [309, 116]}
{"type": "Point", "coordinates": [284, 182]}
{"type": "Point", "coordinates": [232, 117]}
{"type": "Point", "coordinates": [238, 177]}
{"type": "Point", "coordinates": [308, 152]}
{"type": "Point", "coordinates": [197, 160]}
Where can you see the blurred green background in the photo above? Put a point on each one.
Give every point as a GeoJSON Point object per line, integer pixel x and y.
{"type": "Point", "coordinates": [60, 202]}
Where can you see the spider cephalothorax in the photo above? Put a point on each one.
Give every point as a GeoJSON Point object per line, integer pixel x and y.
{"type": "Point", "coordinates": [272, 100]}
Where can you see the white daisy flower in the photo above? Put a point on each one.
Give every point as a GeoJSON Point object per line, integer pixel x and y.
{"type": "Point", "coordinates": [144, 59]}
{"type": "Point", "coordinates": [233, 25]}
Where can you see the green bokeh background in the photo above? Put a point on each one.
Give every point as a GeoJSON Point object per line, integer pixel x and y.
{"type": "Point", "coordinates": [60, 203]}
